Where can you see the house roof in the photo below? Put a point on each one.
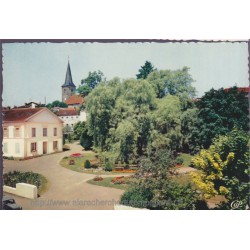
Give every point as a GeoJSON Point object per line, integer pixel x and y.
{"type": "Point", "coordinates": [19, 115]}
{"type": "Point", "coordinates": [74, 99]}
{"type": "Point", "coordinates": [240, 89]}
{"type": "Point", "coordinates": [67, 112]}
{"type": "Point", "coordinates": [68, 78]}
{"type": "Point", "coordinates": [24, 114]}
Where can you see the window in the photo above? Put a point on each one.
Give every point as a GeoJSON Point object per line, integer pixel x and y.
{"type": "Point", "coordinates": [17, 132]}
{"type": "Point", "coordinates": [33, 132]}
{"type": "Point", "coordinates": [5, 148]}
{"type": "Point", "coordinates": [5, 132]}
{"type": "Point", "coordinates": [33, 147]}
{"type": "Point", "coordinates": [44, 131]}
{"type": "Point", "coordinates": [55, 145]}
{"type": "Point", "coordinates": [17, 148]}
{"type": "Point", "coordinates": [55, 131]}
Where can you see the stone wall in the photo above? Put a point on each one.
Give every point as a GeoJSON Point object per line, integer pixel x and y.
{"type": "Point", "coordinates": [22, 189]}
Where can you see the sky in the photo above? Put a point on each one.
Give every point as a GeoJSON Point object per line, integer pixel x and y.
{"type": "Point", "coordinates": [35, 71]}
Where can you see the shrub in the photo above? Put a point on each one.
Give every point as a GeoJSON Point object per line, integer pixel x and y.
{"type": "Point", "coordinates": [66, 147]}
{"type": "Point", "coordinates": [137, 197]}
{"type": "Point", "coordinates": [87, 164]}
{"type": "Point", "coordinates": [98, 178]}
{"type": "Point", "coordinates": [65, 157]}
{"type": "Point", "coordinates": [12, 178]}
{"type": "Point", "coordinates": [11, 158]}
{"type": "Point", "coordinates": [95, 166]}
{"type": "Point", "coordinates": [179, 160]}
{"type": "Point", "coordinates": [108, 167]}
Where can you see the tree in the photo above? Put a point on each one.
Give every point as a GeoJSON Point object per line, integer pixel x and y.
{"type": "Point", "coordinates": [100, 104]}
{"type": "Point", "coordinates": [173, 82]}
{"type": "Point", "coordinates": [190, 132]}
{"type": "Point", "coordinates": [145, 70]}
{"type": "Point", "coordinates": [224, 169]}
{"type": "Point", "coordinates": [166, 132]}
{"type": "Point", "coordinates": [78, 129]}
{"type": "Point", "coordinates": [86, 140]}
{"type": "Point", "coordinates": [89, 83]}
{"type": "Point", "coordinates": [221, 111]}
{"type": "Point", "coordinates": [156, 188]}
{"type": "Point", "coordinates": [56, 104]}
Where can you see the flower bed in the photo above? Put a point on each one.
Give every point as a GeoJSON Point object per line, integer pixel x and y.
{"type": "Point", "coordinates": [124, 171]}
{"type": "Point", "coordinates": [76, 155]}
{"type": "Point", "coordinates": [98, 178]}
{"type": "Point", "coordinates": [120, 180]}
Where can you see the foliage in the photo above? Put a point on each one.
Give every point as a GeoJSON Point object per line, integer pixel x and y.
{"type": "Point", "coordinates": [145, 70]}
{"type": "Point", "coordinates": [87, 164]}
{"type": "Point", "coordinates": [12, 178]}
{"type": "Point", "coordinates": [77, 130]}
{"type": "Point", "coordinates": [224, 168]}
{"type": "Point", "coordinates": [86, 140]}
{"type": "Point", "coordinates": [190, 131]}
{"type": "Point", "coordinates": [166, 125]}
{"type": "Point", "coordinates": [221, 111]}
{"type": "Point", "coordinates": [173, 82]}
{"type": "Point", "coordinates": [70, 137]}
{"type": "Point", "coordinates": [56, 104]}
{"type": "Point", "coordinates": [179, 160]}
{"type": "Point", "coordinates": [108, 167]}
{"type": "Point", "coordinates": [89, 83]}
{"type": "Point", "coordinates": [155, 189]}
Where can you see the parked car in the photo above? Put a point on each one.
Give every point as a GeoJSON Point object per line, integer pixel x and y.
{"type": "Point", "coordinates": [10, 204]}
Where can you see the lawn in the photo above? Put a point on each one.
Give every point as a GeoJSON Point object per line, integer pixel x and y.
{"type": "Point", "coordinates": [79, 162]}
{"type": "Point", "coordinates": [106, 182]}
{"type": "Point", "coordinates": [187, 159]}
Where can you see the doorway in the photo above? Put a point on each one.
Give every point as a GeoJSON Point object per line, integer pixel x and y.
{"type": "Point", "coordinates": [44, 147]}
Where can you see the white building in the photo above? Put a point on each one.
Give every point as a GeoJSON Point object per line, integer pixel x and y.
{"type": "Point", "coordinates": [70, 117]}
{"type": "Point", "coordinates": [31, 132]}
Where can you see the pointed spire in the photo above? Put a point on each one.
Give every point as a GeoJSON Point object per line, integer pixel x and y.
{"type": "Point", "coordinates": [68, 78]}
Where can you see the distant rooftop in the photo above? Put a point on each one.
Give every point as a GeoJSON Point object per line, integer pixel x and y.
{"type": "Point", "coordinates": [67, 112]}
{"type": "Point", "coordinates": [75, 100]}
{"type": "Point", "coordinates": [240, 89]}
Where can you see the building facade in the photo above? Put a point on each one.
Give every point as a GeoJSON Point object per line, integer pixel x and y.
{"type": "Point", "coordinates": [29, 132]}
{"type": "Point", "coordinates": [70, 117]}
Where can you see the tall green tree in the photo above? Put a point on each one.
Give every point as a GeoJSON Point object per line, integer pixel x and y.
{"type": "Point", "coordinates": [86, 140]}
{"type": "Point", "coordinates": [100, 104]}
{"type": "Point", "coordinates": [145, 70]}
{"type": "Point", "coordinates": [166, 119]}
{"type": "Point", "coordinates": [173, 82]}
{"type": "Point", "coordinates": [221, 111]}
{"type": "Point", "coordinates": [89, 83]}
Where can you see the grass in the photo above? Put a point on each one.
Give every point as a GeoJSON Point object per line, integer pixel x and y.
{"type": "Point", "coordinates": [44, 186]}
{"type": "Point", "coordinates": [87, 155]}
{"type": "Point", "coordinates": [78, 166]}
{"type": "Point", "coordinates": [106, 182]}
{"type": "Point", "coordinates": [183, 179]}
{"type": "Point", "coordinates": [187, 159]}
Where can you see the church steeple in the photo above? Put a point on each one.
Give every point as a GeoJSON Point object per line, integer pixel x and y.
{"type": "Point", "coordinates": [68, 78]}
{"type": "Point", "coordinates": [68, 88]}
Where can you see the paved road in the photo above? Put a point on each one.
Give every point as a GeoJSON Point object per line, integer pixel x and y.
{"type": "Point", "coordinates": [67, 189]}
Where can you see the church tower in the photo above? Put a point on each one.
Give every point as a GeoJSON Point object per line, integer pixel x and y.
{"type": "Point", "coordinates": [68, 88]}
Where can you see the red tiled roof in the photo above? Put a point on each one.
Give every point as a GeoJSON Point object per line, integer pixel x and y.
{"type": "Point", "coordinates": [19, 115]}
{"type": "Point", "coordinates": [67, 112]}
{"type": "Point", "coordinates": [240, 89]}
{"type": "Point", "coordinates": [75, 99]}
